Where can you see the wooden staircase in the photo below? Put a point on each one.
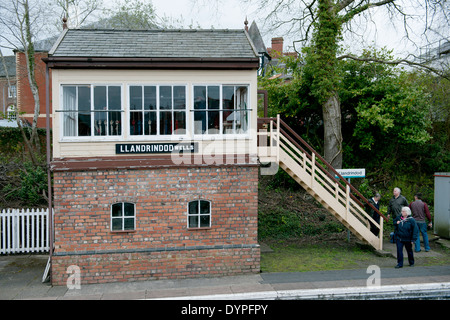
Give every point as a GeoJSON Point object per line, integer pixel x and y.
{"type": "Point", "coordinates": [280, 146]}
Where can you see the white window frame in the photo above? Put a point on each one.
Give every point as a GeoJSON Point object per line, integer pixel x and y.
{"type": "Point", "coordinates": [221, 134]}
{"type": "Point", "coordinates": [123, 217]}
{"type": "Point", "coordinates": [12, 91]}
{"type": "Point", "coordinates": [199, 214]}
{"type": "Point", "coordinates": [158, 136]}
{"type": "Point", "coordinates": [92, 136]}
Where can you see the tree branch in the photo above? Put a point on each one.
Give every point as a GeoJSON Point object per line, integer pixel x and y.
{"type": "Point", "coordinates": [396, 62]}
{"type": "Point", "coordinates": [360, 8]}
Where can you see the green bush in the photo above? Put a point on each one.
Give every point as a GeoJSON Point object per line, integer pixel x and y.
{"type": "Point", "coordinates": [32, 185]}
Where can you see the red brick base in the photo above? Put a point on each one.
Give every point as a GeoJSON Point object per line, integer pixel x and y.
{"type": "Point", "coordinates": [162, 246]}
{"type": "Point", "coordinates": [100, 268]}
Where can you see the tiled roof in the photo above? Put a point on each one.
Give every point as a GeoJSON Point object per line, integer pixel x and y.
{"type": "Point", "coordinates": [10, 62]}
{"type": "Point", "coordinates": [154, 44]}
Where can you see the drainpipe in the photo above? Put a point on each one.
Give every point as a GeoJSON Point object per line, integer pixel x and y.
{"type": "Point", "coordinates": [49, 174]}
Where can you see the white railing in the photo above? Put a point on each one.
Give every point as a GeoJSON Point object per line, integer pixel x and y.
{"type": "Point", "coordinates": [277, 142]}
{"type": "Point", "coordinates": [24, 230]}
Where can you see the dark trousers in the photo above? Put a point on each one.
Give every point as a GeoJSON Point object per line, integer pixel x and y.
{"type": "Point", "coordinates": [409, 251]}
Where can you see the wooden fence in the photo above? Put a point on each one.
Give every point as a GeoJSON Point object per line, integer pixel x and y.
{"type": "Point", "coordinates": [24, 230]}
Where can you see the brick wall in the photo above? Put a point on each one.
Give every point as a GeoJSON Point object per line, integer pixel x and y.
{"type": "Point", "coordinates": [161, 246]}
{"type": "Point", "coordinates": [25, 98]}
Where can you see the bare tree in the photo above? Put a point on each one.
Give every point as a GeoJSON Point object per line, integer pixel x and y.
{"type": "Point", "coordinates": [21, 22]}
{"type": "Point", "coordinates": [18, 19]}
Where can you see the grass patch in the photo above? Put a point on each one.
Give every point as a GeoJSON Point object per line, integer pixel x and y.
{"type": "Point", "coordinates": [293, 257]}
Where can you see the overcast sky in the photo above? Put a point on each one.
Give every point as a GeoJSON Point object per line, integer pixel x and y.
{"type": "Point", "coordinates": [231, 14]}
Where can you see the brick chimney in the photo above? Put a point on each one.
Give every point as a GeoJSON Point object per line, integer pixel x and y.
{"type": "Point", "coordinates": [277, 46]}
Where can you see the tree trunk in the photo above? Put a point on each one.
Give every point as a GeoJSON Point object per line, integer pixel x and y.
{"type": "Point", "coordinates": [332, 131]}
{"type": "Point", "coordinates": [31, 68]}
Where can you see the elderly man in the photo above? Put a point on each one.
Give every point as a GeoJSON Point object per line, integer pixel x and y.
{"type": "Point", "coordinates": [406, 233]}
{"type": "Point", "coordinates": [396, 203]}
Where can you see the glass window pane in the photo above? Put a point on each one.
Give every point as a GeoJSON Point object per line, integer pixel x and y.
{"type": "Point", "coordinates": [84, 98]}
{"type": "Point", "coordinates": [193, 222]}
{"type": "Point", "coordinates": [100, 123]}
{"type": "Point", "coordinates": [205, 207]}
{"type": "Point", "coordinates": [115, 123]}
{"type": "Point", "coordinates": [228, 97]}
{"type": "Point", "coordinates": [199, 97]}
{"type": "Point", "coordinates": [150, 123]}
{"type": "Point", "coordinates": [165, 98]}
{"type": "Point", "coordinates": [129, 209]}
{"type": "Point", "coordinates": [117, 210]}
{"type": "Point", "coordinates": [150, 98]}
{"type": "Point", "coordinates": [69, 98]}
{"type": "Point", "coordinates": [116, 224]}
{"type": "Point", "coordinates": [228, 106]}
{"type": "Point", "coordinates": [135, 98]}
{"type": "Point", "coordinates": [84, 104]}
{"type": "Point", "coordinates": [213, 122]}
{"type": "Point", "coordinates": [199, 122]}
{"type": "Point", "coordinates": [213, 97]}
{"type": "Point", "coordinates": [179, 97]}
{"type": "Point", "coordinates": [165, 120]}
{"type": "Point", "coordinates": [84, 124]}
{"type": "Point", "coordinates": [100, 98]}
{"type": "Point", "coordinates": [136, 123]}
{"type": "Point", "coordinates": [128, 224]}
{"type": "Point", "coordinates": [242, 98]}
{"type": "Point", "coordinates": [69, 103]}
{"type": "Point", "coordinates": [180, 122]}
{"type": "Point", "coordinates": [114, 98]}
{"type": "Point", "coordinates": [205, 221]}
{"type": "Point", "coordinates": [193, 207]}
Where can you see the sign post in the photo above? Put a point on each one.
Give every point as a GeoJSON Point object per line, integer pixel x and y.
{"type": "Point", "coordinates": [348, 174]}
{"type": "Point", "coordinates": [352, 173]}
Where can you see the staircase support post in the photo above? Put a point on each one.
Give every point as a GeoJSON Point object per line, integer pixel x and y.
{"type": "Point", "coordinates": [278, 138]}
{"type": "Point", "coordinates": [381, 234]}
{"type": "Point", "coordinates": [347, 201]}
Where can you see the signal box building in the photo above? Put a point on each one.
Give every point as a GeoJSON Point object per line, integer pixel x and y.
{"type": "Point", "coordinates": [154, 154]}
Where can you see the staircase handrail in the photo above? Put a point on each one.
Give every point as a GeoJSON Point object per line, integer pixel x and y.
{"type": "Point", "coordinates": [282, 123]}
{"type": "Point", "coordinates": [293, 133]}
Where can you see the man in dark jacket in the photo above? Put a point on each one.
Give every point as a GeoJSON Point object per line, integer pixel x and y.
{"type": "Point", "coordinates": [396, 204]}
{"type": "Point", "coordinates": [406, 233]}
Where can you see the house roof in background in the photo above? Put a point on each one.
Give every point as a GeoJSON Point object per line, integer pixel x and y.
{"type": "Point", "coordinates": [10, 62]}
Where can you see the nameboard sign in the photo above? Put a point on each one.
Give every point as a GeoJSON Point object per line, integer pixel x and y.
{"type": "Point", "coordinates": [352, 173]}
{"type": "Point", "coordinates": [149, 148]}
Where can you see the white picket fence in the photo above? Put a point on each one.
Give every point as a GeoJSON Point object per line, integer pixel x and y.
{"type": "Point", "coordinates": [24, 230]}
